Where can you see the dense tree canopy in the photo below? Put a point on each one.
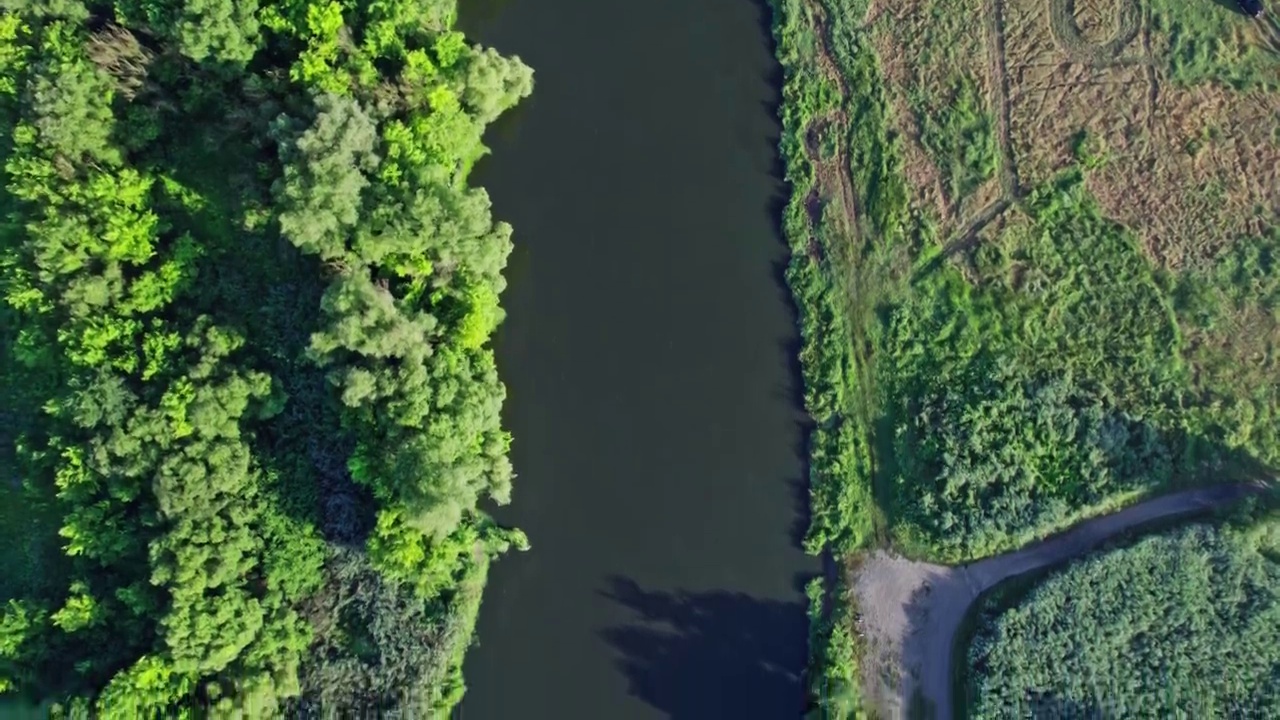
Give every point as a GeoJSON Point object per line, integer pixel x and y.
{"type": "Point", "coordinates": [247, 298]}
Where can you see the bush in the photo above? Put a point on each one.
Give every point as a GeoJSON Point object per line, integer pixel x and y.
{"type": "Point", "coordinates": [1183, 622]}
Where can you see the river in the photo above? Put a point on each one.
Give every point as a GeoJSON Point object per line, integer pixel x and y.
{"type": "Point", "coordinates": [648, 352]}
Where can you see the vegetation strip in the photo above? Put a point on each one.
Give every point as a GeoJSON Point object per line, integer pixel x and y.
{"type": "Point", "coordinates": [249, 407]}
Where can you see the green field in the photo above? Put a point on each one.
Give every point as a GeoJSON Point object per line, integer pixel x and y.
{"type": "Point", "coordinates": [249, 405]}
{"type": "Point", "coordinates": [1027, 296]}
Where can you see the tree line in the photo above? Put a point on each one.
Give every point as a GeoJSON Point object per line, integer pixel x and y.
{"type": "Point", "coordinates": [247, 297]}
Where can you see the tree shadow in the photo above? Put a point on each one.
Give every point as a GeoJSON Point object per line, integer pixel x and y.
{"type": "Point", "coordinates": [713, 654]}
{"type": "Point", "coordinates": [1230, 6]}
{"type": "Point", "coordinates": [791, 346]}
{"type": "Point", "coordinates": [476, 15]}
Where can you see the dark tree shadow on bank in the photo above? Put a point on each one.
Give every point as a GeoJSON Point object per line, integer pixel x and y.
{"type": "Point", "coordinates": [705, 655]}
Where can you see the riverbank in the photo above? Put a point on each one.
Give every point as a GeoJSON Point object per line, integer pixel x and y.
{"type": "Point", "coordinates": [988, 357]}
{"type": "Point", "coordinates": [840, 166]}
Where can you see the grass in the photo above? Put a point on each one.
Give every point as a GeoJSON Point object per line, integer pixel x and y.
{"type": "Point", "coordinates": [1044, 385]}
{"type": "Point", "coordinates": [1231, 314]}
{"type": "Point", "coordinates": [1057, 364]}
{"type": "Point", "coordinates": [936, 79]}
{"type": "Point", "coordinates": [960, 135]}
{"type": "Point", "coordinates": [1179, 93]}
{"type": "Point", "coordinates": [839, 469]}
{"type": "Point", "coordinates": [1046, 381]}
{"type": "Point", "coordinates": [834, 650]}
{"type": "Point", "coordinates": [831, 90]}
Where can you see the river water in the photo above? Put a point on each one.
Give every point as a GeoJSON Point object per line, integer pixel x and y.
{"type": "Point", "coordinates": [647, 353]}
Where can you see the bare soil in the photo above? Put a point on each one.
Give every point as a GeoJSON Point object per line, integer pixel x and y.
{"type": "Point", "coordinates": [911, 612]}
{"type": "Point", "coordinates": [1188, 169]}
{"type": "Point", "coordinates": [920, 45]}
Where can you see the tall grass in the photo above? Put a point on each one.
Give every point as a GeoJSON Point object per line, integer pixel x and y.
{"type": "Point", "coordinates": [1183, 622]}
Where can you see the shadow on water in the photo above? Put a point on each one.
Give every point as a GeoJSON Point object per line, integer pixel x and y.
{"type": "Point", "coordinates": [475, 14]}
{"type": "Point", "coordinates": [793, 391]}
{"type": "Point", "coordinates": [1231, 6]}
{"type": "Point", "coordinates": [697, 655]}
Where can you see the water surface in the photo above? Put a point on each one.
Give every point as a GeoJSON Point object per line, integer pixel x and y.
{"type": "Point", "coordinates": [647, 355]}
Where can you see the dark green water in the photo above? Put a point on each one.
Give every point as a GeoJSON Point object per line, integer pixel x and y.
{"type": "Point", "coordinates": [647, 355]}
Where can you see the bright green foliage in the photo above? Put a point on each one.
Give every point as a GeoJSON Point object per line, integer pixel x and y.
{"type": "Point", "coordinates": [406, 320]}
{"type": "Point", "coordinates": [19, 624]}
{"type": "Point", "coordinates": [480, 316]}
{"type": "Point", "coordinates": [148, 689]}
{"type": "Point", "coordinates": [316, 64]}
{"type": "Point", "coordinates": [148, 458]}
{"type": "Point", "coordinates": [80, 611]}
{"type": "Point", "coordinates": [403, 553]}
{"type": "Point", "coordinates": [1205, 43]}
{"type": "Point", "coordinates": [1185, 622]}
{"type": "Point", "coordinates": [234, 293]}
{"type": "Point", "coordinates": [13, 53]}
{"type": "Point", "coordinates": [833, 650]}
{"type": "Point", "coordinates": [1005, 426]}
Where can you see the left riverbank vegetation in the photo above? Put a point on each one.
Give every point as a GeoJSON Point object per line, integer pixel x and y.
{"type": "Point", "coordinates": [1015, 317]}
{"type": "Point", "coordinates": [248, 405]}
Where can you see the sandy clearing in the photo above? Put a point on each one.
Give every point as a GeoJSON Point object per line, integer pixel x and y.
{"type": "Point", "coordinates": [911, 611]}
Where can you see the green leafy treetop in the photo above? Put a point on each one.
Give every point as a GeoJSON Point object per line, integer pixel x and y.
{"type": "Point", "coordinates": [247, 298]}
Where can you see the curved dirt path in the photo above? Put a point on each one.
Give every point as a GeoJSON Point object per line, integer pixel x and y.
{"type": "Point", "coordinates": [911, 611]}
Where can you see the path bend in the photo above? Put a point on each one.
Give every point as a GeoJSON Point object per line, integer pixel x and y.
{"type": "Point", "coordinates": [912, 611]}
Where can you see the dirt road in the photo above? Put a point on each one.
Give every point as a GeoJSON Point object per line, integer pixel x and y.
{"type": "Point", "coordinates": [911, 611]}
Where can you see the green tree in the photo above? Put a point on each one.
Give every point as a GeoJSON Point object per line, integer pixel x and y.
{"type": "Point", "coordinates": [70, 100]}
{"type": "Point", "coordinates": [221, 30]}
{"type": "Point", "coordinates": [319, 192]}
